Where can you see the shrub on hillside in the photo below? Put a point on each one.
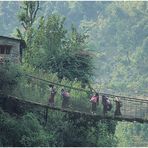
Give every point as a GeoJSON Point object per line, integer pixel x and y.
{"type": "Point", "coordinates": [9, 76]}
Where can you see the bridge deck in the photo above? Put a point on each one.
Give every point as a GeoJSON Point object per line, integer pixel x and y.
{"type": "Point", "coordinates": [37, 90]}
{"type": "Point", "coordinates": [99, 117]}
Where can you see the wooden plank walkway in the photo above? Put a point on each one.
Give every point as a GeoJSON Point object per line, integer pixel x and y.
{"type": "Point", "coordinates": [127, 118]}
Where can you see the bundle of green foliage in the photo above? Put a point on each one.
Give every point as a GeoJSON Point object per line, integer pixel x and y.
{"type": "Point", "coordinates": [9, 77]}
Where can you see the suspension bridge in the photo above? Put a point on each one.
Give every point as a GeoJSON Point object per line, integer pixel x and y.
{"type": "Point", "coordinates": [133, 109]}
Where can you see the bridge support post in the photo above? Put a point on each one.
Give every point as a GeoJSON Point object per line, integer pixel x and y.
{"type": "Point", "coordinates": [46, 115]}
{"type": "Point", "coordinates": [4, 103]}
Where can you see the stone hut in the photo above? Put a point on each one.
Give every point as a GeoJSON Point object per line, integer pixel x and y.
{"type": "Point", "coordinates": [11, 49]}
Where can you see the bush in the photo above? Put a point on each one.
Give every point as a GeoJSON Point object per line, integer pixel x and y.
{"type": "Point", "coordinates": [9, 76]}
{"type": "Point", "coordinates": [25, 131]}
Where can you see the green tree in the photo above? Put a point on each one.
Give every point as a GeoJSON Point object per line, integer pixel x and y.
{"type": "Point", "coordinates": [56, 50]}
{"type": "Point", "coordinates": [27, 17]}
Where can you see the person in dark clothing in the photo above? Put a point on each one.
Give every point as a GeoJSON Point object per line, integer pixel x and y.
{"type": "Point", "coordinates": [65, 98]}
{"type": "Point", "coordinates": [109, 105]}
{"type": "Point", "coordinates": [94, 100]}
{"type": "Point", "coordinates": [118, 106]}
{"type": "Point", "coordinates": [52, 95]}
{"type": "Point", "coordinates": [104, 102]}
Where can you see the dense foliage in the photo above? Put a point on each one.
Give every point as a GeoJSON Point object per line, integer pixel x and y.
{"type": "Point", "coordinates": [28, 130]}
{"type": "Point", "coordinates": [59, 51]}
{"type": "Point", "coordinates": [116, 32]}
{"type": "Point", "coordinates": [24, 131]}
{"type": "Point", "coordinates": [9, 77]}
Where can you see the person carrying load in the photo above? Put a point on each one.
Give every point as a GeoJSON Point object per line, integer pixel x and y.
{"type": "Point", "coordinates": [107, 106]}
{"type": "Point", "coordinates": [65, 98]}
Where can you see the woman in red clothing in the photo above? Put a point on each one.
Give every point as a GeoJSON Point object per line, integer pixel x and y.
{"type": "Point", "coordinates": [94, 100]}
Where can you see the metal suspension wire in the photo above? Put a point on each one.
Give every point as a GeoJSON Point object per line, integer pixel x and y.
{"type": "Point", "coordinates": [50, 82]}
{"type": "Point", "coordinates": [88, 91]}
{"type": "Point", "coordinates": [37, 89]}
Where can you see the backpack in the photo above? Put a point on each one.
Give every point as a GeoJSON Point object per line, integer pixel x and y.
{"type": "Point", "coordinates": [104, 100]}
{"type": "Point", "coordinates": [66, 94]}
{"type": "Point", "coordinates": [108, 101]}
{"type": "Point", "coordinates": [109, 105]}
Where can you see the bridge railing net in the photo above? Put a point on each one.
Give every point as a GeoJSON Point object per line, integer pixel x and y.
{"type": "Point", "coordinates": [38, 90]}
{"type": "Point", "coordinates": [134, 109]}
{"type": "Point", "coordinates": [131, 107]}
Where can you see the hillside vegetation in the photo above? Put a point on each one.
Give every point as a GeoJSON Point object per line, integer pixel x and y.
{"type": "Point", "coordinates": [75, 43]}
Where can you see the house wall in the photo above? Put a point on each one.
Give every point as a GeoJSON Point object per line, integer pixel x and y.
{"type": "Point", "coordinates": [14, 55]}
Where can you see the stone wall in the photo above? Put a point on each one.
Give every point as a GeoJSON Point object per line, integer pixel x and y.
{"type": "Point", "coordinates": [14, 55]}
